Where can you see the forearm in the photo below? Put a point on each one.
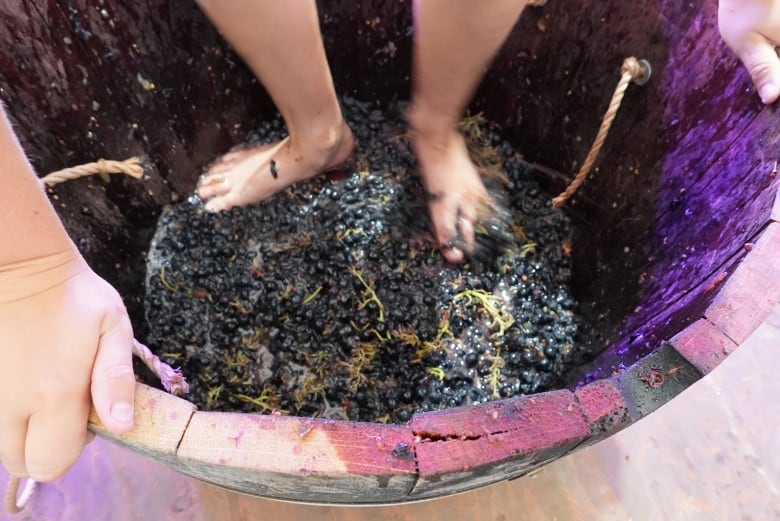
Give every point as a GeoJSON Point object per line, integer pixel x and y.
{"type": "Point", "coordinates": [29, 226]}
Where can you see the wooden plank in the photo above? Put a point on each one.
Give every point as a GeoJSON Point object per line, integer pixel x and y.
{"type": "Point", "coordinates": [471, 447]}
{"type": "Point", "coordinates": [655, 380]}
{"type": "Point", "coordinates": [605, 410]}
{"type": "Point", "coordinates": [300, 459]}
{"type": "Point", "coordinates": [748, 296]}
{"type": "Point", "coordinates": [698, 238]}
{"type": "Point", "coordinates": [717, 215]}
{"type": "Point", "coordinates": [654, 330]}
{"type": "Point", "coordinates": [709, 454]}
{"type": "Point", "coordinates": [160, 420]}
{"type": "Point", "coordinates": [703, 345]}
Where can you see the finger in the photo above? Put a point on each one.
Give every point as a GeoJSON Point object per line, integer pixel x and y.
{"type": "Point", "coordinates": [760, 59]}
{"type": "Point", "coordinates": [12, 440]}
{"type": "Point", "coordinates": [56, 437]}
{"type": "Point", "coordinates": [113, 383]}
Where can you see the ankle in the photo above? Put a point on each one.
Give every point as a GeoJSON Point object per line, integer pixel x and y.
{"type": "Point", "coordinates": [324, 137]}
{"type": "Point", "coordinates": [431, 124]}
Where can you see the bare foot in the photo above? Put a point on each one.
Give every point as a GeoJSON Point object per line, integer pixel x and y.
{"type": "Point", "coordinates": [254, 174]}
{"type": "Point", "coordinates": [455, 189]}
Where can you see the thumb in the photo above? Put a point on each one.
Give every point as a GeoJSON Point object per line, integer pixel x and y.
{"type": "Point", "coordinates": [113, 383]}
{"type": "Point", "coordinates": [760, 59]}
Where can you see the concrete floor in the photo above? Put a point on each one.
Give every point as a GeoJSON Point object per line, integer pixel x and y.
{"type": "Point", "coordinates": [712, 453]}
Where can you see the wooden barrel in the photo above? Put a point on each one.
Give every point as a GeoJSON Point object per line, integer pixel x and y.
{"type": "Point", "coordinates": [679, 249]}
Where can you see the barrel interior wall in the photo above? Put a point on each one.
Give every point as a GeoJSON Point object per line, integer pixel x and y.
{"type": "Point", "coordinates": [83, 81]}
{"type": "Point", "coordinates": [710, 164]}
{"type": "Point", "coordinates": [567, 62]}
{"type": "Point", "coordinates": [684, 176]}
{"type": "Point", "coordinates": [369, 47]}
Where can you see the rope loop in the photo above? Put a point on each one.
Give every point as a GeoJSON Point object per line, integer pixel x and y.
{"type": "Point", "coordinates": [102, 167]}
{"type": "Point", "coordinates": [631, 70]}
{"type": "Point", "coordinates": [632, 67]}
{"type": "Point", "coordinates": [15, 503]}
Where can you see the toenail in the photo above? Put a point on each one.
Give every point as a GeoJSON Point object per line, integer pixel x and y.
{"type": "Point", "coordinates": [213, 180]}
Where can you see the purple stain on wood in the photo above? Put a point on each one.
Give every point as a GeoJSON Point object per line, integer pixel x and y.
{"type": "Point", "coordinates": [715, 193]}
{"type": "Point", "coordinates": [703, 344]}
{"type": "Point", "coordinates": [553, 424]}
{"type": "Point", "coordinates": [367, 448]}
{"type": "Point", "coordinates": [603, 406]}
{"type": "Point", "coordinates": [748, 297]}
{"type": "Point", "coordinates": [470, 436]}
{"type": "Point", "coordinates": [236, 440]}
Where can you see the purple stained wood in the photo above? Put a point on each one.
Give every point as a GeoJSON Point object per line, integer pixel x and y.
{"type": "Point", "coordinates": [468, 447]}
{"type": "Point", "coordinates": [523, 413]}
{"type": "Point", "coordinates": [703, 345]}
{"type": "Point", "coordinates": [303, 459]}
{"type": "Point", "coordinates": [603, 406]}
{"type": "Point", "coordinates": [748, 296]}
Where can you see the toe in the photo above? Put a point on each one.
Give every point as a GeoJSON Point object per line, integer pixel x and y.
{"type": "Point", "coordinates": [219, 204]}
{"type": "Point", "coordinates": [466, 228]}
{"type": "Point", "coordinates": [221, 166]}
{"type": "Point", "coordinates": [468, 214]}
{"type": "Point", "coordinates": [444, 216]}
{"type": "Point", "coordinates": [453, 254]}
{"type": "Point", "coordinates": [212, 185]}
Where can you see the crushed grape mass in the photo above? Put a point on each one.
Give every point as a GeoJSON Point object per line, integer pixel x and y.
{"type": "Point", "coordinates": [330, 299]}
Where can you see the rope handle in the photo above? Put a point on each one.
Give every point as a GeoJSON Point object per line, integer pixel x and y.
{"type": "Point", "coordinates": [101, 167]}
{"type": "Point", "coordinates": [634, 70]}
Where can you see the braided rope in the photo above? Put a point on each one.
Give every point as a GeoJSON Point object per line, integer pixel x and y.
{"type": "Point", "coordinates": [102, 167]}
{"type": "Point", "coordinates": [631, 70]}
{"type": "Point", "coordinates": [171, 379]}
{"type": "Point", "coordinates": [14, 505]}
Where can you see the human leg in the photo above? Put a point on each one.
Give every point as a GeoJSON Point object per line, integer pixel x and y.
{"type": "Point", "coordinates": [454, 43]}
{"type": "Point", "coordinates": [281, 43]}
